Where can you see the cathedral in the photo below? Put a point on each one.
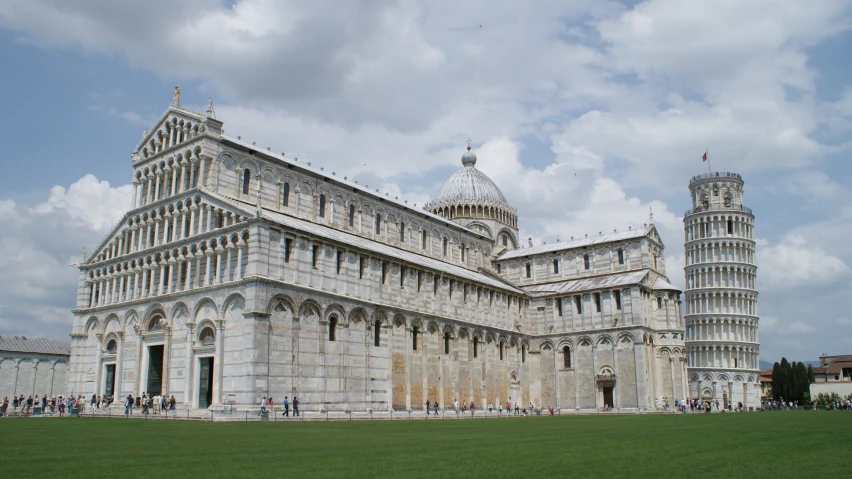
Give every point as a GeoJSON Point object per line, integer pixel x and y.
{"type": "Point", "coordinates": [239, 273]}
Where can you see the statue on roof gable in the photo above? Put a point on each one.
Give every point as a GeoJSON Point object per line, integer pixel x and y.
{"type": "Point", "coordinates": [177, 96]}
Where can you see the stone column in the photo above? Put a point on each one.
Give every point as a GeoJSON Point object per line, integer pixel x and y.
{"type": "Point", "coordinates": [201, 181]}
{"type": "Point", "coordinates": [158, 176]}
{"type": "Point", "coordinates": [170, 287]}
{"type": "Point", "coordinates": [220, 270]}
{"type": "Point", "coordinates": [239, 272]}
{"type": "Point", "coordinates": [186, 280]}
{"type": "Point", "coordinates": [192, 210]}
{"type": "Point", "coordinates": [190, 359]}
{"type": "Point", "coordinates": [149, 194]}
{"type": "Point", "coordinates": [91, 292]}
{"type": "Point", "coordinates": [220, 352]}
{"type": "Point", "coordinates": [133, 204]}
{"type": "Point", "coordinates": [192, 179]}
{"type": "Point", "coordinates": [182, 175]}
{"type": "Point", "coordinates": [119, 367]}
{"type": "Point", "coordinates": [207, 276]}
{"type": "Point", "coordinates": [161, 289]}
{"type": "Point", "coordinates": [227, 270]}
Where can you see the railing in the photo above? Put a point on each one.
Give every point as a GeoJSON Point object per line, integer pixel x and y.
{"type": "Point", "coordinates": [715, 174]}
{"type": "Point", "coordinates": [700, 209]}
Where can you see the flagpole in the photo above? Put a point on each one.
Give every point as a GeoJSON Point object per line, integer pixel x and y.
{"type": "Point", "coordinates": [707, 154]}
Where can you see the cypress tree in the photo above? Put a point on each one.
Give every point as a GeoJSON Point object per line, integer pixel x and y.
{"type": "Point", "coordinates": [785, 378]}
{"type": "Point", "coordinates": [811, 377]}
{"type": "Point", "coordinates": [804, 383]}
{"type": "Point", "coordinates": [777, 381]}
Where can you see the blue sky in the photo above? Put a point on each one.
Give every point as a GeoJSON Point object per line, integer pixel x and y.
{"type": "Point", "coordinates": [586, 113]}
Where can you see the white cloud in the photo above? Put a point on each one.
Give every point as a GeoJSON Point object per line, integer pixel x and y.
{"type": "Point", "coordinates": [39, 288]}
{"type": "Point", "coordinates": [801, 327]}
{"type": "Point", "coordinates": [794, 263]}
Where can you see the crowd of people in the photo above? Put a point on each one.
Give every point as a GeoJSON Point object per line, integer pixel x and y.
{"type": "Point", "coordinates": [268, 403]}
{"type": "Point", "coordinates": [42, 404]}
{"type": "Point", "coordinates": [158, 404]}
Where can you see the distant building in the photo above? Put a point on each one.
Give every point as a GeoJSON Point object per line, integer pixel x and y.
{"type": "Point", "coordinates": [834, 374]}
{"type": "Point", "coordinates": [31, 366]}
{"type": "Point", "coordinates": [766, 385]}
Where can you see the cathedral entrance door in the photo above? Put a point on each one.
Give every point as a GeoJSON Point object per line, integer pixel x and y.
{"type": "Point", "coordinates": [607, 396]}
{"type": "Point", "coordinates": [109, 388]}
{"type": "Point", "coordinates": [205, 382]}
{"type": "Point", "coordinates": [155, 370]}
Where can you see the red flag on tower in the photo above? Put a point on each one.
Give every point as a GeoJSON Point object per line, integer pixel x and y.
{"type": "Point", "coordinates": [704, 156]}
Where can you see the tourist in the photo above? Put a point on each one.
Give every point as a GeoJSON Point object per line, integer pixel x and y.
{"type": "Point", "coordinates": [172, 404]}
{"type": "Point", "coordinates": [517, 409]}
{"type": "Point", "coordinates": [61, 406]}
{"type": "Point", "coordinates": [508, 407]}
{"type": "Point", "coordinates": [532, 408]}
{"type": "Point", "coordinates": [490, 407]}
{"type": "Point", "coordinates": [94, 401]}
{"type": "Point", "coordinates": [456, 405]}
{"type": "Point", "coordinates": [295, 406]}
{"type": "Point", "coordinates": [128, 405]}
{"type": "Point", "coordinates": [165, 404]}
{"type": "Point", "coordinates": [286, 407]}
{"type": "Point", "coordinates": [29, 406]}
{"type": "Point", "coordinates": [4, 406]}
{"type": "Point", "coordinates": [428, 406]}
{"type": "Point", "coordinates": [472, 408]}
{"type": "Point", "coordinates": [262, 406]}
{"type": "Point", "coordinates": [436, 407]}
{"type": "Point", "coordinates": [145, 403]}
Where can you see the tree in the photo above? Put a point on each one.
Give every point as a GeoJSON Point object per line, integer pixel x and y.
{"type": "Point", "coordinates": [778, 380]}
{"type": "Point", "coordinates": [811, 378]}
{"type": "Point", "coordinates": [804, 383]}
{"type": "Point", "coordinates": [793, 381]}
{"type": "Point", "coordinates": [786, 373]}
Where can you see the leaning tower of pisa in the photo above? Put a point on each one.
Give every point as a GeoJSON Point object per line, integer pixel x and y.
{"type": "Point", "coordinates": [721, 300]}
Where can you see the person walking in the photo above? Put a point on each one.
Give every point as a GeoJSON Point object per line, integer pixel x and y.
{"type": "Point", "coordinates": [128, 405]}
{"type": "Point", "coordinates": [490, 408]}
{"type": "Point", "coordinates": [428, 406]}
{"type": "Point", "coordinates": [61, 406]}
{"type": "Point", "coordinates": [172, 405]}
{"type": "Point", "coordinates": [295, 406]}
{"type": "Point", "coordinates": [472, 408]}
{"type": "Point", "coordinates": [286, 407]}
{"type": "Point", "coordinates": [262, 406]}
{"type": "Point", "coordinates": [436, 408]}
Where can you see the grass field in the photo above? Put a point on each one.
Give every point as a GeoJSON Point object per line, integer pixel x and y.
{"type": "Point", "coordinates": [769, 444]}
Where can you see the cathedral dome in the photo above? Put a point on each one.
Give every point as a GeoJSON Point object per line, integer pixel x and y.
{"type": "Point", "coordinates": [469, 186]}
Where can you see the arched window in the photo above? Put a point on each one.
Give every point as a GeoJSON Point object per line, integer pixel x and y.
{"type": "Point", "coordinates": [351, 215]}
{"type": "Point", "coordinates": [501, 350]}
{"type": "Point", "coordinates": [620, 256]}
{"type": "Point", "coordinates": [446, 343]}
{"type": "Point", "coordinates": [378, 224]}
{"type": "Point", "coordinates": [523, 353]}
{"type": "Point", "coordinates": [332, 328]}
{"type": "Point", "coordinates": [715, 191]}
{"type": "Point", "coordinates": [414, 331]}
{"type": "Point", "coordinates": [659, 302]}
{"type": "Point", "coordinates": [445, 246]}
{"type": "Point", "coordinates": [423, 239]}
{"type": "Point", "coordinates": [505, 240]}
{"type": "Point", "coordinates": [246, 181]}
{"type": "Point", "coordinates": [377, 333]}
{"type": "Point", "coordinates": [112, 346]}
{"type": "Point", "coordinates": [705, 200]}
{"type": "Point", "coordinates": [285, 194]}
{"type": "Point", "coordinates": [555, 266]}
{"type": "Point", "coordinates": [727, 201]}
{"type": "Point", "coordinates": [586, 263]}
{"type": "Point", "coordinates": [321, 208]}
{"type": "Point", "coordinates": [401, 232]}
{"type": "Point", "coordinates": [529, 270]}
{"type": "Point", "coordinates": [207, 336]}
{"type": "Point", "coordinates": [566, 357]}
{"type": "Point", "coordinates": [475, 347]}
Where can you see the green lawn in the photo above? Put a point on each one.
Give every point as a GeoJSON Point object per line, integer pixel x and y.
{"type": "Point", "coordinates": [752, 445]}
